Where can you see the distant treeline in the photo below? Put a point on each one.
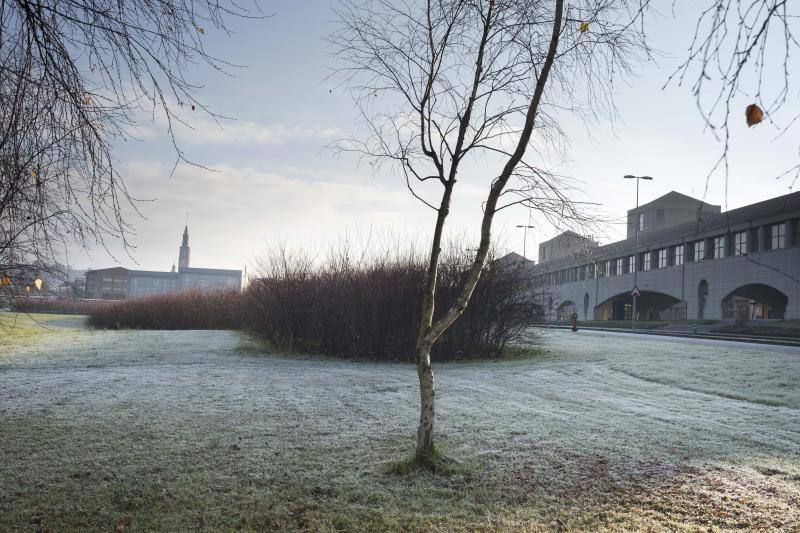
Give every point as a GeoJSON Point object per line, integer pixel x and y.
{"type": "Point", "coordinates": [363, 308]}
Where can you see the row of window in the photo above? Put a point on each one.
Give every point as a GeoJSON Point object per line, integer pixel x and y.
{"type": "Point", "coordinates": [743, 242]}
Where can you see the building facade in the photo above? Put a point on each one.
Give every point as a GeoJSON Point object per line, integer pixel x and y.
{"type": "Point", "coordinates": [691, 265]}
{"type": "Point", "coordinates": [121, 283]}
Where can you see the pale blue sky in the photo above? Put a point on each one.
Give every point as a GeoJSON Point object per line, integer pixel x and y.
{"type": "Point", "coordinates": [275, 180]}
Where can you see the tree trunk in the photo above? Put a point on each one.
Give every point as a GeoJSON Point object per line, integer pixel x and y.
{"type": "Point", "coordinates": [427, 394]}
{"type": "Point", "coordinates": [430, 332]}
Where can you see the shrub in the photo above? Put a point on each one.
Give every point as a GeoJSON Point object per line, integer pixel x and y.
{"type": "Point", "coordinates": [184, 310]}
{"type": "Point", "coordinates": [369, 307]}
{"type": "Point", "coordinates": [54, 305]}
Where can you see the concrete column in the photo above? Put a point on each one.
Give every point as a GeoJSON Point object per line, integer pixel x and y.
{"type": "Point", "coordinates": [762, 238]}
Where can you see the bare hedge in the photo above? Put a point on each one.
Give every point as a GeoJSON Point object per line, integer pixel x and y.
{"type": "Point", "coordinates": [184, 310]}
{"type": "Point", "coordinates": [348, 306]}
{"type": "Point", "coordinates": [370, 307]}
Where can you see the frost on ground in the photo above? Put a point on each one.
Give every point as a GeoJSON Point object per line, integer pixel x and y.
{"type": "Point", "coordinates": [205, 430]}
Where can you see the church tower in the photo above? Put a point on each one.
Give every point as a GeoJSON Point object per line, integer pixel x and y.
{"type": "Point", "coordinates": [183, 256]}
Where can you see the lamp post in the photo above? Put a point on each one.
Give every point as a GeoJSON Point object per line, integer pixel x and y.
{"type": "Point", "coordinates": [525, 239]}
{"type": "Point", "coordinates": [635, 291]}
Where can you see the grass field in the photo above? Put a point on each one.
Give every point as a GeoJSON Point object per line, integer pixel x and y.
{"type": "Point", "coordinates": [188, 430]}
{"type": "Point", "coordinates": [17, 329]}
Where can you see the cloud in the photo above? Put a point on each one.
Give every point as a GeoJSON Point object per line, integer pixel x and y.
{"type": "Point", "coordinates": [243, 132]}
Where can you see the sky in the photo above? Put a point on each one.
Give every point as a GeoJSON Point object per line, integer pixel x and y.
{"type": "Point", "coordinates": [274, 178]}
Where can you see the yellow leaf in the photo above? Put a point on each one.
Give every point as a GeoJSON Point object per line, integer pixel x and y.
{"type": "Point", "coordinates": [28, 288]}
{"type": "Point", "coordinates": [5, 281]}
{"type": "Point", "coordinates": [584, 27]}
{"type": "Point", "coordinates": [753, 114]}
{"type": "Point", "coordinates": [38, 283]}
{"type": "Point", "coordinates": [34, 174]}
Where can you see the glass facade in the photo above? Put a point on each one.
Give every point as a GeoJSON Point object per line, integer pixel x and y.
{"type": "Point", "coordinates": [719, 247]}
{"type": "Point", "coordinates": [778, 236]}
{"type": "Point", "coordinates": [740, 243]}
{"type": "Point", "coordinates": [678, 255]}
{"type": "Point", "coordinates": [662, 258]}
{"type": "Point", "coordinates": [699, 251]}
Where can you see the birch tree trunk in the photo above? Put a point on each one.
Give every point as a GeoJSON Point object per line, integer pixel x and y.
{"type": "Point", "coordinates": [465, 79]}
{"type": "Point", "coordinates": [429, 332]}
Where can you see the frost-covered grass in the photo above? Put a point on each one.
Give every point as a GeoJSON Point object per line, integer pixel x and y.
{"type": "Point", "coordinates": [18, 328]}
{"type": "Point", "coordinates": [203, 430]}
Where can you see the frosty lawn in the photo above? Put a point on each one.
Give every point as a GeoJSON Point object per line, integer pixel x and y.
{"type": "Point", "coordinates": [187, 430]}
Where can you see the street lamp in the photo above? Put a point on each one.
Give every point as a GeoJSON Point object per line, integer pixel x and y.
{"type": "Point", "coordinates": [525, 239]}
{"type": "Point", "coordinates": [635, 291]}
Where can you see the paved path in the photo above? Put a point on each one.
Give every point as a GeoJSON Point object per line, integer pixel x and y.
{"type": "Point", "coordinates": [695, 340]}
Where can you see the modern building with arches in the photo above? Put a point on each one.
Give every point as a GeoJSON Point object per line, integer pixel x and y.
{"type": "Point", "coordinates": [694, 262]}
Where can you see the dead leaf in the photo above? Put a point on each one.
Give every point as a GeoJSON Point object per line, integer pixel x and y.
{"type": "Point", "coordinates": [754, 115]}
{"type": "Point", "coordinates": [201, 30]}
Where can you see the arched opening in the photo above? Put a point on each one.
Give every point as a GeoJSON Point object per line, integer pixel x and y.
{"type": "Point", "coordinates": [565, 310]}
{"type": "Point", "coordinates": [586, 306]}
{"type": "Point", "coordinates": [754, 301]}
{"type": "Point", "coordinates": [650, 306]}
{"type": "Point", "coordinates": [702, 296]}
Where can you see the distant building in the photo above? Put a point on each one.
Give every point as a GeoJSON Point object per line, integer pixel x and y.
{"type": "Point", "coordinates": [693, 262]}
{"type": "Point", "coordinates": [107, 284]}
{"type": "Point", "coordinates": [121, 283]}
{"type": "Point", "coordinates": [670, 210]}
{"type": "Point", "coordinates": [565, 244]}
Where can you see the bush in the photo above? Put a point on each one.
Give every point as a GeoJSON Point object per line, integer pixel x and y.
{"type": "Point", "coordinates": [370, 307]}
{"type": "Point", "coordinates": [185, 310]}
{"type": "Point", "coordinates": [55, 305]}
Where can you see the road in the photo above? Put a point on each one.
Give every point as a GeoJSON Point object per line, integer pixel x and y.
{"type": "Point", "coordinates": [695, 340]}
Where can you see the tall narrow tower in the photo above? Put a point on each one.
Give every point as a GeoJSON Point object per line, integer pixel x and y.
{"type": "Point", "coordinates": [183, 256]}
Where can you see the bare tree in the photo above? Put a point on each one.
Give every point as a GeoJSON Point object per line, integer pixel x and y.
{"type": "Point", "coordinates": [75, 76]}
{"type": "Point", "coordinates": [442, 82]}
{"type": "Point", "coordinates": [739, 50]}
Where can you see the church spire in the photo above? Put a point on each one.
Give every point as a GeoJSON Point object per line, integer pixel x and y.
{"type": "Point", "coordinates": [183, 255]}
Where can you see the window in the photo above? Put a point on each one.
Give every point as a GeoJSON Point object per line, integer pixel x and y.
{"type": "Point", "coordinates": [677, 258]}
{"type": "Point", "coordinates": [740, 243]}
{"type": "Point", "coordinates": [719, 247]}
{"type": "Point", "coordinates": [779, 236]}
{"type": "Point", "coordinates": [641, 221]}
{"type": "Point", "coordinates": [608, 268]}
{"type": "Point", "coordinates": [631, 264]}
{"type": "Point", "coordinates": [619, 266]}
{"type": "Point", "coordinates": [646, 258]}
{"type": "Point", "coordinates": [699, 251]}
{"type": "Point", "coordinates": [662, 258]}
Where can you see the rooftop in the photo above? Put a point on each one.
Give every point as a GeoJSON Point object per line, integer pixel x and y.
{"type": "Point", "coordinates": [707, 224]}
